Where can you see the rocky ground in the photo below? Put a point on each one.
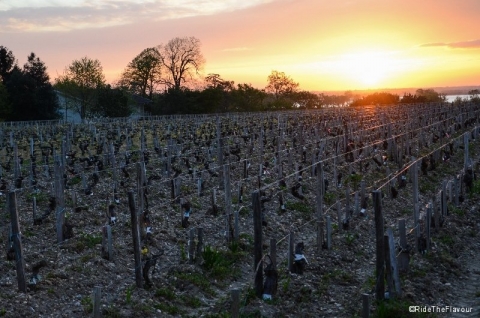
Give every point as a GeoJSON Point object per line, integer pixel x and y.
{"type": "Point", "coordinates": [331, 286]}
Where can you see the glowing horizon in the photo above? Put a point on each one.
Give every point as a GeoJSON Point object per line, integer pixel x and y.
{"type": "Point", "coordinates": [324, 46]}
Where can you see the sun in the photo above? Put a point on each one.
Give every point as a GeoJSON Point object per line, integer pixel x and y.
{"type": "Point", "coordinates": [371, 78]}
{"type": "Point", "coordinates": [368, 68]}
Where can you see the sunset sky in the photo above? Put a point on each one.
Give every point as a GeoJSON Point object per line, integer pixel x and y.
{"type": "Point", "coordinates": [322, 44]}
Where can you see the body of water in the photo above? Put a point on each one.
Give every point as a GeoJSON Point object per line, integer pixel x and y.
{"type": "Point", "coordinates": [451, 98]}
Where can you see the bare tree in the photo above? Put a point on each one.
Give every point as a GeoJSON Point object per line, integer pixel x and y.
{"type": "Point", "coordinates": [182, 60]}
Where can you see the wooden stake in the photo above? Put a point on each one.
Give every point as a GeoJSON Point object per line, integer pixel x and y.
{"type": "Point", "coordinates": [329, 232]}
{"type": "Point", "coordinates": [34, 208]}
{"type": "Point", "coordinates": [393, 278]}
{"type": "Point", "coordinates": [380, 249]}
{"type": "Point", "coordinates": [273, 252]}
{"type": "Point", "coordinates": [339, 217]}
{"type": "Point", "coordinates": [257, 234]}
{"type": "Point", "coordinates": [16, 238]}
{"type": "Point", "coordinates": [198, 257]}
{"type": "Point", "coordinates": [136, 240]}
{"type": "Point", "coordinates": [416, 224]}
{"type": "Point", "coordinates": [428, 225]}
{"type": "Point", "coordinates": [97, 294]}
{"type": "Point", "coordinates": [365, 306]}
{"type": "Point", "coordinates": [60, 200]}
{"type": "Point", "coordinates": [191, 245]}
{"type": "Point", "coordinates": [291, 251]}
{"type": "Point", "coordinates": [465, 142]}
{"type": "Point", "coordinates": [404, 255]}
{"type": "Point", "coordinates": [228, 201]}
{"type": "Point", "coordinates": [415, 182]}
{"type": "Point", "coordinates": [235, 303]}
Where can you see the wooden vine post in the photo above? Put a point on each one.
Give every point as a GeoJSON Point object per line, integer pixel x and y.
{"type": "Point", "coordinates": [228, 202]}
{"type": "Point", "coordinates": [235, 303]}
{"type": "Point", "coordinates": [198, 257]}
{"type": "Point", "coordinates": [60, 200]}
{"type": "Point", "coordinates": [380, 249]}
{"type": "Point", "coordinates": [16, 239]}
{"type": "Point", "coordinates": [291, 251]}
{"type": "Point", "coordinates": [404, 255]}
{"type": "Point", "coordinates": [96, 300]}
{"type": "Point", "coordinates": [393, 279]}
{"type": "Point", "coordinates": [107, 244]}
{"type": "Point", "coordinates": [257, 237]}
{"type": "Point", "coordinates": [136, 240]}
{"type": "Point", "coordinates": [319, 205]}
{"type": "Point", "coordinates": [220, 152]}
{"type": "Point", "coordinates": [465, 143]}
{"type": "Point", "coordinates": [416, 207]}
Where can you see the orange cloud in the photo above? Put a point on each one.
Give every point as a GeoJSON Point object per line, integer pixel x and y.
{"type": "Point", "coordinates": [473, 44]}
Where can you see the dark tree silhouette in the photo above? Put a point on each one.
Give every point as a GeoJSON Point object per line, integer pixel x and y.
{"type": "Point", "coordinates": [144, 73]}
{"type": "Point", "coordinates": [7, 62]}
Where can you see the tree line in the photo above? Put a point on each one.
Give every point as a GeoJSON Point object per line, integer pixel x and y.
{"type": "Point", "coordinates": [165, 79]}
{"type": "Point", "coordinates": [25, 92]}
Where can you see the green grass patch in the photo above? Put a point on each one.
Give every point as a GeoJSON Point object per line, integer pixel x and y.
{"type": "Point", "coordinates": [87, 304]}
{"type": "Point", "coordinates": [169, 309]}
{"type": "Point", "coordinates": [195, 203]}
{"type": "Point", "coordinates": [353, 180]}
{"type": "Point", "coordinates": [339, 276]}
{"type": "Point", "coordinates": [301, 207]}
{"type": "Point", "coordinates": [446, 239]}
{"type": "Point", "coordinates": [86, 258]}
{"type": "Point", "coordinates": [418, 272]}
{"type": "Point", "coordinates": [40, 197]}
{"type": "Point", "coordinates": [191, 301]}
{"type": "Point", "coordinates": [455, 210]}
{"type": "Point", "coordinates": [75, 180]}
{"type": "Point", "coordinates": [426, 186]}
{"type": "Point", "coordinates": [111, 312]}
{"type": "Point", "coordinates": [370, 282]}
{"type": "Point", "coordinates": [183, 252]}
{"type": "Point", "coordinates": [198, 280]}
{"type": "Point", "coordinates": [250, 295]}
{"type": "Point", "coordinates": [128, 295]}
{"type": "Point", "coordinates": [142, 310]}
{"type": "Point", "coordinates": [329, 198]}
{"type": "Point", "coordinates": [223, 314]}
{"type": "Point", "coordinates": [219, 264]}
{"type": "Point", "coordinates": [165, 293]}
{"type": "Point", "coordinates": [475, 189]}
{"type": "Point", "coordinates": [350, 238]}
{"type": "Point", "coordinates": [87, 241]}
{"type": "Point", "coordinates": [28, 233]}
{"type": "Point", "coordinates": [91, 240]}
{"type": "Point", "coordinates": [285, 283]}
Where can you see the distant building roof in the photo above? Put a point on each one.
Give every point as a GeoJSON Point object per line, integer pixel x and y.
{"type": "Point", "coordinates": [140, 100]}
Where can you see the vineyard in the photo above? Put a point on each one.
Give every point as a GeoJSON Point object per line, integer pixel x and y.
{"type": "Point", "coordinates": [201, 216]}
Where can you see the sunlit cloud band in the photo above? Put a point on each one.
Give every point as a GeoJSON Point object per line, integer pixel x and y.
{"type": "Point", "coordinates": [473, 44]}
{"type": "Point", "coordinates": [56, 15]}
